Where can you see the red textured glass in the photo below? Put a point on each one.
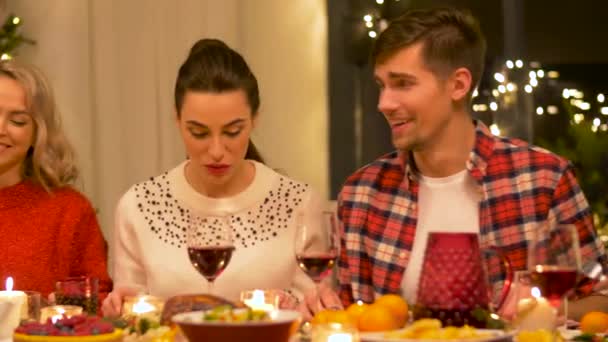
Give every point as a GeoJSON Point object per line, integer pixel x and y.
{"type": "Point", "coordinates": [454, 280]}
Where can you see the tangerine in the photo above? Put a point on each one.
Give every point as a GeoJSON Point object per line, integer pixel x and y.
{"type": "Point", "coordinates": [397, 305]}
{"type": "Point", "coordinates": [355, 310]}
{"type": "Point", "coordinates": [377, 318]}
{"type": "Point", "coordinates": [594, 322]}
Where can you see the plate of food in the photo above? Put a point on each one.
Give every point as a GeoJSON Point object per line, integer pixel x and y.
{"type": "Point", "coordinates": [430, 330]}
{"type": "Point", "coordinates": [224, 323]}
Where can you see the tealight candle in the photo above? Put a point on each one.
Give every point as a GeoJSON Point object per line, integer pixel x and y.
{"type": "Point", "coordinates": [56, 312]}
{"type": "Point", "coordinates": [143, 306]}
{"type": "Point", "coordinates": [259, 300]}
{"type": "Point", "coordinates": [536, 313]}
{"type": "Point", "coordinates": [11, 309]}
{"type": "Point", "coordinates": [335, 332]}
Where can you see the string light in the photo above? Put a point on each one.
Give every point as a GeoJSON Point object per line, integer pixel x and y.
{"type": "Point", "coordinates": [494, 129]}
{"type": "Point", "coordinates": [519, 63]}
{"type": "Point", "coordinates": [578, 118]}
{"type": "Point", "coordinates": [369, 24]}
{"type": "Point", "coordinates": [566, 93]}
{"type": "Point", "coordinates": [379, 2]}
{"type": "Point", "coordinates": [539, 110]}
{"type": "Point", "coordinates": [372, 34]}
{"type": "Point", "coordinates": [604, 110]}
{"type": "Point", "coordinates": [540, 73]}
{"type": "Point", "coordinates": [552, 110]}
{"type": "Point", "coordinates": [600, 98]}
{"type": "Point", "coordinates": [495, 92]}
{"type": "Point", "coordinates": [597, 122]}
{"type": "Point", "coordinates": [480, 107]}
{"type": "Point", "coordinates": [493, 106]}
{"type": "Point", "coordinates": [532, 74]}
{"type": "Point", "coordinates": [16, 20]}
{"type": "Point", "coordinates": [367, 18]}
{"type": "Point", "coordinates": [511, 86]}
{"type": "Point", "coordinates": [499, 77]}
{"type": "Point", "coordinates": [604, 127]}
{"type": "Point", "coordinates": [533, 82]}
{"type": "Point", "coordinates": [5, 56]}
{"type": "Point", "coordinates": [553, 74]}
{"type": "Point", "coordinates": [510, 64]}
{"type": "Point", "coordinates": [528, 88]}
{"type": "Point", "coordinates": [502, 89]}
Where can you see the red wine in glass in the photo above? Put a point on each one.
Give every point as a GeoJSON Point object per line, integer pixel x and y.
{"type": "Point", "coordinates": [210, 246]}
{"type": "Point", "coordinates": [554, 281]}
{"type": "Point", "coordinates": [210, 261]}
{"type": "Point", "coordinates": [316, 265]}
{"type": "Point", "coordinates": [316, 243]}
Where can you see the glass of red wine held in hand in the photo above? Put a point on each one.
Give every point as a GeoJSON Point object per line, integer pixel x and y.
{"type": "Point", "coordinates": [317, 244]}
{"type": "Point", "coordinates": [554, 261]}
{"type": "Point", "coordinates": [210, 246]}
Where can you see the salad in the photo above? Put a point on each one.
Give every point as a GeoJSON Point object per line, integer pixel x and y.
{"type": "Point", "coordinates": [225, 313]}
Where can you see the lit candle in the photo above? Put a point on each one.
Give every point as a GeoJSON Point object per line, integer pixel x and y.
{"type": "Point", "coordinates": [258, 302]}
{"type": "Point", "coordinates": [340, 337]}
{"type": "Point", "coordinates": [11, 309]}
{"type": "Point", "coordinates": [56, 312]}
{"type": "Point", "coordinates": [535, 313]}
{"type": "Point", "coordinates": [143, 306]}
{"type": "Point", "coordinates": [334, 332]}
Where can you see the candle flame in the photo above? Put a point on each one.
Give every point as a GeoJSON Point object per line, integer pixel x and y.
{"type": "Point", "coordinates": [9, 284]}
{"type": "Point", "coordinates": [535, 292]}
{"type": "Point", "coordinates": [142, 307]}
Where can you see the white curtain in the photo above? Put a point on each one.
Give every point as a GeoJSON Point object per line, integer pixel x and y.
{"type": "Point", "coordinates": [113, 65]}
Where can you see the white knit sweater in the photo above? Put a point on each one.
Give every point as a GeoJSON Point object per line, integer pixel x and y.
{"type": "Point", "coordinates": [150, 240]}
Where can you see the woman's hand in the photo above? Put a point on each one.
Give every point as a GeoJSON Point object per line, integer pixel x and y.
{"type": "Point", "coordinates": [112, 305]}
{"type": "Point", "coordinates": [319, 298]}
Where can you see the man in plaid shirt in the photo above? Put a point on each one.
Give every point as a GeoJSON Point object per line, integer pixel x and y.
{"type": "Point", "coordinates": [448, 172]}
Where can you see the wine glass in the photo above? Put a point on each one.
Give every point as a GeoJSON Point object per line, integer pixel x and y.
{"type": "Point", "coordinates": [317, 244]}
{"type": "Point", "coordinates": [210, 246]}
{"type": "Point", "coordinates": [554, 262]}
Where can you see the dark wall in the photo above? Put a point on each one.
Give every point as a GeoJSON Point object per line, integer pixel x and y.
{"type": "Point", "coordinates": [549, 31]}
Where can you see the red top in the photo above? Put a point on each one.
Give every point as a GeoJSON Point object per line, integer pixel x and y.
{"type": "Point", "coordinates": [45, 237]}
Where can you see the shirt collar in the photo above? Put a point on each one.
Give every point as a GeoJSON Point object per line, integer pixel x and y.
{"type": "Point", "coordinates": [478, 158]}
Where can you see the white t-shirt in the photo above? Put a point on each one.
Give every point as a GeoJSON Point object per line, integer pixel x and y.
{"type": "Point", "coordinates": [448, 204]}
{"type": "Point", "coordinates": [150, 250]}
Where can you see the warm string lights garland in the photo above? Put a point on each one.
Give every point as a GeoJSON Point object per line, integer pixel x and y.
{"type": "Point", "coordinates": [505, 88]}
{"type": "Point", "coordinates": [10, 37]}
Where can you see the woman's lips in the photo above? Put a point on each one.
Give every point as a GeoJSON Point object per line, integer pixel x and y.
{"type": "Point", "coordinates": [217, 169]}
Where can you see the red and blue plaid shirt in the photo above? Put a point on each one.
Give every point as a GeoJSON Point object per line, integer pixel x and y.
{"type": "Point", "coordinates": [523, 188]}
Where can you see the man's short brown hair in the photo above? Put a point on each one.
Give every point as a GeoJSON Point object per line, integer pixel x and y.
{"type": "Point", "coordinates": [452, 39]}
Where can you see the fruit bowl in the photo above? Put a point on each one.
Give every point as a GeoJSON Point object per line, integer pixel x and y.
{"type": "Point", "coordinates": [280, 327]}
{"type": "Point", "coordinates": [68, 329]}
{"type": "Point", "coordinates": [115, 336]}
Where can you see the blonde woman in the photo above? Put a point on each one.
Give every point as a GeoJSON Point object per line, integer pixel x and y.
{"type": "Point", "coordinates": [49, 229]}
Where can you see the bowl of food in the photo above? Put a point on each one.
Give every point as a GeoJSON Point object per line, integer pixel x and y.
{"type": "Point", "coordinates": [225, 323]}
{"type": "Point", "coordinates": [79, 328]}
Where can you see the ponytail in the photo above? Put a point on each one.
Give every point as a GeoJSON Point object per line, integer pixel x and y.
{"type": "Point", "coordinates": [253, 154]}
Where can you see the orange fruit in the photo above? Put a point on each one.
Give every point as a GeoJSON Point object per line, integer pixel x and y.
{"type": "Point", "coordinates": [397, 305]}
{"type": "Point", "coordinates": [355, 310]}
{"type": "Point", "coordinates": [377, 318]}
{"type": "Point", "coordinates": [332, 316]}
{"type": "Point", "coordinates": [321, 317]}
{"type": "Point", "coordinates": [594, 322]}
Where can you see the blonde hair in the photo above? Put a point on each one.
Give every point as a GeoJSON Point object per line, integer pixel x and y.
{"type": "Point", "coordinates": [51, 160]}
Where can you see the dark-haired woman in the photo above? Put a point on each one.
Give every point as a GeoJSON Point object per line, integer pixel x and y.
{"type": "Point", "coordinates": [216, 107]}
